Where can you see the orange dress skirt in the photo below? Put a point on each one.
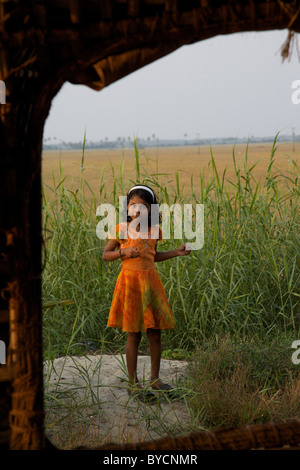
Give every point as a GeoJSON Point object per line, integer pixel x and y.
{"type": "Point", "coordinates": [139, 300]}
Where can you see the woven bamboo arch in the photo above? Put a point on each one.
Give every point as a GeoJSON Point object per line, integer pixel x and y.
{"type": "Point", "coordinates": [90, 42]}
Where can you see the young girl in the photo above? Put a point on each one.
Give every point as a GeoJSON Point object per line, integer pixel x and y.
{"type": "Point", "coordinates": [139, 302]}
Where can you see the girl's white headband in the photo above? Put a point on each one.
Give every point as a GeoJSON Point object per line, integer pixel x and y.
{"type": "Point", "coordinates": [142, 187]}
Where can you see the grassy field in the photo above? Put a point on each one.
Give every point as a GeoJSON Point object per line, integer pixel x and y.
{"type": "Point", "coordinates": [187, 161]}
{"type": "Point", "coordinates": [235, 301]}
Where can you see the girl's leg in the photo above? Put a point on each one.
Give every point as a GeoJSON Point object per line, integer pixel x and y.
{"type": "Point", "coordinates": [154, 337]}
{"type": "Point", "coordinates": [155, 353]}
{"type": "Point", "coordinates": [132, 345]}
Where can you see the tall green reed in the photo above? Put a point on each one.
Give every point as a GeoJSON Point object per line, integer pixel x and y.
{"type": "Point", "coordinates": [245, 279]}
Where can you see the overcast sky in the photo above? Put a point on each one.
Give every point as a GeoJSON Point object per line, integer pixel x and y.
{"type": "Point", "coordinates": [228, 86]}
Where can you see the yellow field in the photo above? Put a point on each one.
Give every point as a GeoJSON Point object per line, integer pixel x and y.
{"type": "Point", "coordinates": [166, 160]}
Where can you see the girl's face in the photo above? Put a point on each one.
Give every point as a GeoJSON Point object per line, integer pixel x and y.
{"type": "Point", "coordinates": [137, 207]}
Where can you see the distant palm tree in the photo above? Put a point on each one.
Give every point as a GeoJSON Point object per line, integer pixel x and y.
{"type": "Point", "coordinates": [198, 139]}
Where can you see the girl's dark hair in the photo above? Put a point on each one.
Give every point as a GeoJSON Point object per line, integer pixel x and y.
{"type": "Point", "coordinates": [146, 196]}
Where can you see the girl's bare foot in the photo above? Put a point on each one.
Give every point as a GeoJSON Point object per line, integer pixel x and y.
{"type": "Point", "coordinates": [137, 391]}
{"type": "Point", "coordinates": [134, 387]}
{"type": "Point", "coordinates": [157, 384]}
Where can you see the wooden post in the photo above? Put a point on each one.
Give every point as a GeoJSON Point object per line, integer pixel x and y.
{"type": "Point", "coordinates": [21, 378]}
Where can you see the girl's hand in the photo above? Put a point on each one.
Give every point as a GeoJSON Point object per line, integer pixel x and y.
{"type": "Point", "coordinates": [183, 250]}
{"type": "Point", "coordinates": [130, 252]}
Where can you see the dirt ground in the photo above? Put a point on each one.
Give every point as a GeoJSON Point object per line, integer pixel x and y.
{"type": "Point", "coordinates": [87, 403]}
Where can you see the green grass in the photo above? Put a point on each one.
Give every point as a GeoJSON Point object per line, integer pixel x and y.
{"type": "Point", "coordinates": [245, 280]}
{"type": "Point", "coordinates": [244, 382]}
{"type": "Point", "coordinates": [242, 285]}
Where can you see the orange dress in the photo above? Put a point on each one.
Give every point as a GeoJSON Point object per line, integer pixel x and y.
{"type": "Point", "coordinates": [139, 300]}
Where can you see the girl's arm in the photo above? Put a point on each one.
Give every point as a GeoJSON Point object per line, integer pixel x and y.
{"type": "Point", "coordinates": [164, 255]}
{"type": "Point", "coordinates": [109, 253]}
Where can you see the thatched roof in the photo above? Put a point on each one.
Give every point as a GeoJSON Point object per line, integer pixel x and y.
{"type": "Point", "coordinates": [95, 42]}
{"type": "Point", "coordinates": [268, 436]}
